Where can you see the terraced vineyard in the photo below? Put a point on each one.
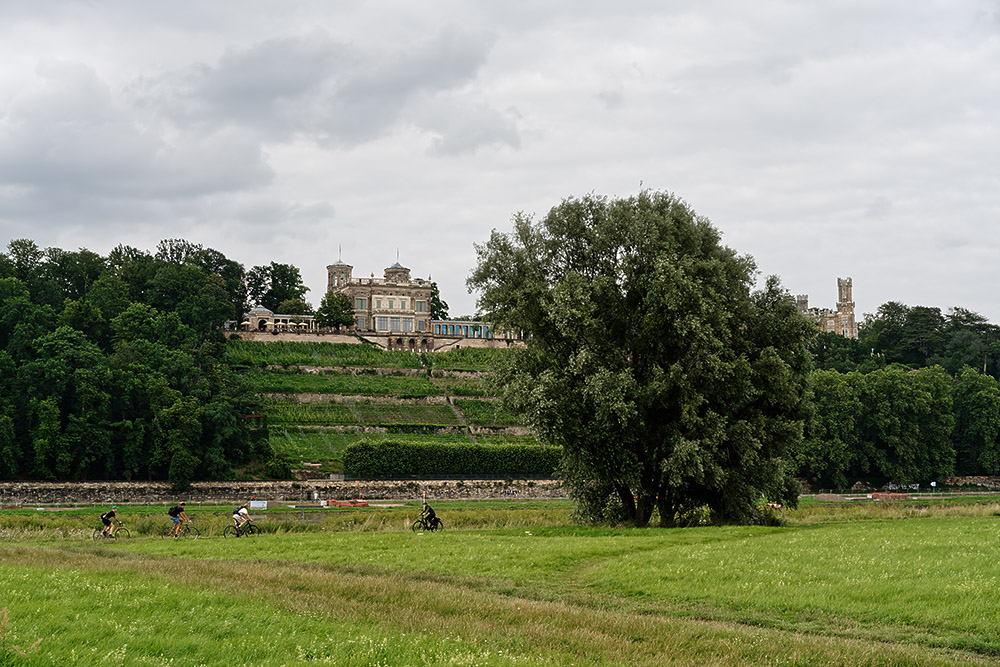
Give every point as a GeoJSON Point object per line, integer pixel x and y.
{"type": "Point", "coordinates": [321, 397]}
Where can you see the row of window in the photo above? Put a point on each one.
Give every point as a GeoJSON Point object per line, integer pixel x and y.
{"type": "Point", "coordinates": [469, 331]}
{"type": "Point", "coordinates": [392, 324]}
{"type": "Point", "coordinates": [418, 306]}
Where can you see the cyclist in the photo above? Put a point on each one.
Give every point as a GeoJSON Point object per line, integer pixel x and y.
{"type": "Point", "coordinates": [109, 519]}
{"type": "Point", "coordinates": [428, 512]}
{"type": "Point", "coordinates": [178, 516]}
{"type": "Point", "coordinates": [241, 516]}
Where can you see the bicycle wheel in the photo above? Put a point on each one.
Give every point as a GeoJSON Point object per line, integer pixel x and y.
{"type": "Point", "coordinates": [123, 534]}
{"type": "Point", "coordinates": [438, 526]}
{"type": "Point", "coordinates": [99, 534]}
{"type": "Point", "coordinates": [250, 530]}
{"type": "Point", "coordinates": [418, 526]}
{"type": "Point", "coordinates": [166, 532]}
{"type": "Point", "coordinates": [230, 531]}
{"type": "Point", "coordinates": [191, 533]}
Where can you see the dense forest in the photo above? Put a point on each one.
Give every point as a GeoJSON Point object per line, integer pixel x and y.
{"type": "Point", "coordinates": [109, 366]}
{"type": "Point", "coordinates": [914, 399]}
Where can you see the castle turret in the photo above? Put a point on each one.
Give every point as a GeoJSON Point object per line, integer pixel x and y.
{"type": "Point", "coordinates": [338, 275]}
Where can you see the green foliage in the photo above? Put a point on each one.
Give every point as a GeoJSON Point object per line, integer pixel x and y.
{"type": "Point", "coordinates": [294, 382]}
{"type": "Point", "coordinates": [363, 412]}
{"type": "Point", "coordinates": [921, 336]}
{"type": "Point", "coordinates": [668, 383]}
{"type": "Point", "coordinates": [468, 359]}
{"type": "Point", "coordinates": [296, 306]}
{"type": "Point", "coordinates": [828, 452]}
{"type": "Point", "coordinates": [388, 459]}
{"type": "Point", "coordinates": [439, 308]}
{"type": "Point", "coordinates": [254, 353]}
{"type": "Point", "coordinates": [486, 413]}
{"type": "Point", "coordinates": [270, 285]}
{"type": "Point", "coordinates": [899, 425]}
{"type": "Point", "coordinates": [335, 311]}
{"type": "Point", "coordinates": [108, 366]}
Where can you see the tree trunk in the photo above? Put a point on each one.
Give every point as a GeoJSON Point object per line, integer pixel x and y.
{"type": "Point", "coordinates": [628, 500]}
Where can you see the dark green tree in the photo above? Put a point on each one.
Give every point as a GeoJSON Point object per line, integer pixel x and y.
{"type": "Point", "coordinates": [439, 308]}
{"type": "Point", "coordinates": [977, 423]}
{"type": "Point", "coordinates": [335, 310]}
{"type": "Point", "coordinates": [923, 335]}
{"type": "Point", "coordinates": [668, 382]}
{"type": "Point", "coordinates": [882, 333]}
{"type": "Point", "coordinates": [905, 430]}
{"type": "Point", "coordinates": [269, 285]}
{"type": "Point", "coordinates": [829, 449]}
{"type": "Point", "coordinates": [831, 351]}
{"type": "Point", "coordinates": [294, 307]}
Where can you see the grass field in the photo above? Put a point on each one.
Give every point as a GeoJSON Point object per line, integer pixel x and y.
{"type": "Point", "coordinates": [517, 583]}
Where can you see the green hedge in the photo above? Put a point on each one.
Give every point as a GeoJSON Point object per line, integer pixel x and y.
{"type": "Point", "coordinates": [390, 459]}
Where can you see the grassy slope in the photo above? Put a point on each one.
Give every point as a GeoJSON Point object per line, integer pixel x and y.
{"type": "Point", "coordinates": [293, 424]}
{"type": "Point", "coordinates": [882, 592]}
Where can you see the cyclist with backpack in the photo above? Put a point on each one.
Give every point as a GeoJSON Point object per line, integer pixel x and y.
{"type": "Point", "coordinates": [178, 516]}
{"type": "Point", "coordinates": [428, 513]}
{"type": "Point", "coordinates": [109, 519]}
{"type": "Point", "coordinates": [241, 516]}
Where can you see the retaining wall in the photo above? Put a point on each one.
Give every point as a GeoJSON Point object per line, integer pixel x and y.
{"type": "Point", "coordinates": [39, 493]}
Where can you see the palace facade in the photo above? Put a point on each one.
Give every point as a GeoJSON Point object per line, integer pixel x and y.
{"type": "Point", "coordinates": [394, 304]}
{"type": "Point", "coordinates": [393, 311]}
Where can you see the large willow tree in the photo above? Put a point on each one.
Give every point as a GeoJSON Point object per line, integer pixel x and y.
{"type": "Point", "coordinates": [669, 383]}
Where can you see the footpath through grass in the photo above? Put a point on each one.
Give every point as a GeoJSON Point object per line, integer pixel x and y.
{"type": "Point", "coordinates": [519, 585]}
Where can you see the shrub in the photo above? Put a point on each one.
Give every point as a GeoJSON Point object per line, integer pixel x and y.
{"type": "Point", "coordinates": [392, 459]}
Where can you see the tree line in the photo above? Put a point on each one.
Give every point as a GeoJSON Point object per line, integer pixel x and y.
{"type": "Point", "coordinates": [109, 365]}
{"type": "Point", "coordinates": [914, 399]}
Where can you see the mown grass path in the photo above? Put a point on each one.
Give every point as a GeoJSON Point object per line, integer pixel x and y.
{"type": "Point", "coordinates": [900, 592]}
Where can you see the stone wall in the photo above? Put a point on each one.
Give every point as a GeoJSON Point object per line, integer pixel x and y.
{"type": "Point", "coordinates": [46, 493]}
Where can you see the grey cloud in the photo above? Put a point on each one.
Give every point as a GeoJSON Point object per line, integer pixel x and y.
{"type": "Point", "coordinates": [72, 136]}
{"type": "Point", "coordinates": [880, 207]}
{"type": "Point", "coordinates": [460, 127]}
{"type": "Point", "coordinates": [314, 87]}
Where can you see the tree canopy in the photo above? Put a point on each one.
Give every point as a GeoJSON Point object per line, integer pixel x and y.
{"type": "Point", "coordinates": [335, 310]}
{"type": "Point", "coordinates": [109, 365]}
{"type": "Point", "coordinates": [669, 383]}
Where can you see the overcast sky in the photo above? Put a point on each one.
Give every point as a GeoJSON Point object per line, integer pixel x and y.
{"type": "Point", "coordinates": [830, 139]}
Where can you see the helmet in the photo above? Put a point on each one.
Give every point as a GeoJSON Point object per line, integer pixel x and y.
{"type": "Point", "coordinates": [114, 507]}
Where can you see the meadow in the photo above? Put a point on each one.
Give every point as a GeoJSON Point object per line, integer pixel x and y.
{"type": "Point", "coordinates": [512, 583]}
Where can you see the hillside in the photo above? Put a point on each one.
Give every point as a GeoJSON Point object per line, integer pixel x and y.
{"type": "Point", "coordinates": [321, 397]}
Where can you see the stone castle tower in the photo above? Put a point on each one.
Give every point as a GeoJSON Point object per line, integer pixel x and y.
{"type": "Point", "coordinates": [840, 321]}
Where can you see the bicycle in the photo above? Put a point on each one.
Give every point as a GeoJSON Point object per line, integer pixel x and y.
{"type": "Point", "coordinates": [122, 533]}
{"type": "Point", "coordinates": [185, 532]}
{"type": "Point", "coordinates": [422, 524]}
{"type": "Point", "coordinates": [248, 530]}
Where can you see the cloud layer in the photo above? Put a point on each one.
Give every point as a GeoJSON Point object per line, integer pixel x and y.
{"type": "Point", "coordinates": [832, 140]}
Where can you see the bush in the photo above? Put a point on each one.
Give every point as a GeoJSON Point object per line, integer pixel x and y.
{"type": "Point", "coordinates": [391, 459]}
